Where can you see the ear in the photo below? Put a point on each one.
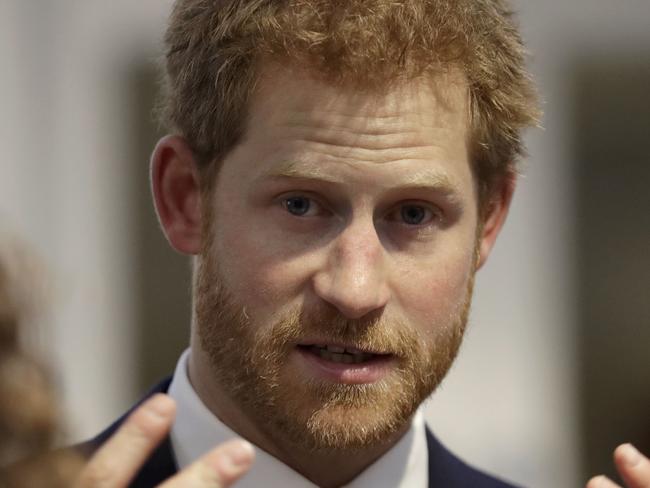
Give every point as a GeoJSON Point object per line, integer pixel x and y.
{"type": "Point", "coordinates": [175, 188]}
{"type": "Point", "coordinates": [494, 216]}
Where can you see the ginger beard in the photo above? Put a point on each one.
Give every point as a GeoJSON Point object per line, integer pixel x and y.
{"type": "Point", "coordinates": [251, 362]}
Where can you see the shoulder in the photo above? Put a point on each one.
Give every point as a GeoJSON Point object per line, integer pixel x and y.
{"type": "Point", "coordinates": [446, 469]}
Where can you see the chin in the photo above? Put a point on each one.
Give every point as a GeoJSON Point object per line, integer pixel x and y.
{"type": "Point", "coordinates": [341, 417]}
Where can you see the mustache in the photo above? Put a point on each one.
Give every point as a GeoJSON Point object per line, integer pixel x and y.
{"type": "Point", "coordinates": [320, 324]}
{"type": "Point", "coordinates": [374, 333]}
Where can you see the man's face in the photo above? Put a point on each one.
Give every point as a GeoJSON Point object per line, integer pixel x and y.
{"type": "Point", "coordinates": [340, 247]}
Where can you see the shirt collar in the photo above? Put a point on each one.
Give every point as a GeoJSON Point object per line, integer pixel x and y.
{"type": "Point", "coordinates": [196, 431]}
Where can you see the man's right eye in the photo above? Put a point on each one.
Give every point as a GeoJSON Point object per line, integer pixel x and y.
{"type": "Point", "coordinates": [299, 206]}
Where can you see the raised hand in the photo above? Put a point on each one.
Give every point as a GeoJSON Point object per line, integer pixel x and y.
{"type": "Point", "coordinates": [117, 462]}
{"type": "Point", "coordinates": [633, 467]}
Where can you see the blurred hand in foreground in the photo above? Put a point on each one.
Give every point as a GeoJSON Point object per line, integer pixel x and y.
{"type": "Point", "coordinates": [633, 467]}
{"type": "Point", "coordinates": [117, 462]}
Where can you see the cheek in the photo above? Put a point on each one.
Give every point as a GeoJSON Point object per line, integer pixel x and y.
{"type": "Point", "coordinates": [257, 271]}
{"type": "Point", "coordinates": [436, 292]}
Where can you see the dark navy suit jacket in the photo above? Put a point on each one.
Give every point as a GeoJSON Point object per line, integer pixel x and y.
{"type": "Point", "coordinates": [445, 469]}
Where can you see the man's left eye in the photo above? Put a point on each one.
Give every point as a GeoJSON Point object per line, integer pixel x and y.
{"type": "Point", "coordinates": [300, 206]}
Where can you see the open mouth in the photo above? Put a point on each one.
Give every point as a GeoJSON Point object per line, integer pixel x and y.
{"type": "Point", "coordinates": [343, 364]}
{"type": "Point", "coordinates": [344, 355]}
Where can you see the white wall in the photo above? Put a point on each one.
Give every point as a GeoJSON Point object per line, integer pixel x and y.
{"type": "Point", "coordinates": [509, 403]}
{"type": "Point", "coordinates": [64, 183]}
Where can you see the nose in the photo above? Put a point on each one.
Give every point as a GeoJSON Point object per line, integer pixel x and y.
{"type": "Point", "coordinates": [353, 278]}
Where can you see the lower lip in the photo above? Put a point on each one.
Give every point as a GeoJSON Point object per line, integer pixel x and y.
{"type": "Point", "coordinates": [362, 373]}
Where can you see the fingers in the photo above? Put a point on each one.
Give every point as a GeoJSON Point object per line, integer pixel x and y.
{"type": "Point", "coordinates": [119, 459]}
{"type": "Point", "coordinates": [601, 482]}
{"type": "Point", "coordinates": [220, 468]}
{"type": "Point", "coordinates": [115, 464]}
{"type": "Point", "coordinates": [633, 466]}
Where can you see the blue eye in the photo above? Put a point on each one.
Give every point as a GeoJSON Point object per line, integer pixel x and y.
{"type": "Point", "coordinates": [414, 214]}
{"type": "Point", "coordinates": [298, 206]}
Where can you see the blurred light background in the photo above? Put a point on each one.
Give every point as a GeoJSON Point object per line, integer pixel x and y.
{"type": "Point", "coordinates": [555, 370]}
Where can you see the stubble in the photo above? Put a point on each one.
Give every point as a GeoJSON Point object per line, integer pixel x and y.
{"type": "Point", "coordinates": [252, 362]}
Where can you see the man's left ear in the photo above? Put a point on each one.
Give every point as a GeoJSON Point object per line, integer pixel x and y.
{"type": "Point", "coordinates": [494, 216]}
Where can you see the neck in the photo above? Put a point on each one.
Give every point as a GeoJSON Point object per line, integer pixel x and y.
{"type": "Point", "coordinates": [313, 465]}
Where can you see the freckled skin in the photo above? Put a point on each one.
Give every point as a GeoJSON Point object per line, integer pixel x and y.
{"type": "Point", "coordinates": [353, 257]}
{"type": "Point", "coordinates": [353, 162]}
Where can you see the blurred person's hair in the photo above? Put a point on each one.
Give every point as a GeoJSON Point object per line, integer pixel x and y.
{"type": "Point", "coordinates": [215, 50]}
{"type": "Point", "coordinates": [28, 412]}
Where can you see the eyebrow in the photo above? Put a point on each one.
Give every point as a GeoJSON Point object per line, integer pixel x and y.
{"type": "Point", "coordinates": [428, 178]}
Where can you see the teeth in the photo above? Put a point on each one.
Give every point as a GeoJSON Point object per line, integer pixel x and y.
{"type": "Point", "coordinates": [343, 357]}
{"type": "Point", "coordinates": [352, 350]}
{"type": "Point", "coordinates": [336, 349]}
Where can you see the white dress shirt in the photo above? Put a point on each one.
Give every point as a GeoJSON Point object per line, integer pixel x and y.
{"type": "Point", "coordinates": [196, 431]}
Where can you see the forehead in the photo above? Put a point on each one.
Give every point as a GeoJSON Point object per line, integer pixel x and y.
{"type": "Point", "coordinates": [301, 125]}
{"type": "Point", "coordinates": [290, 97]}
